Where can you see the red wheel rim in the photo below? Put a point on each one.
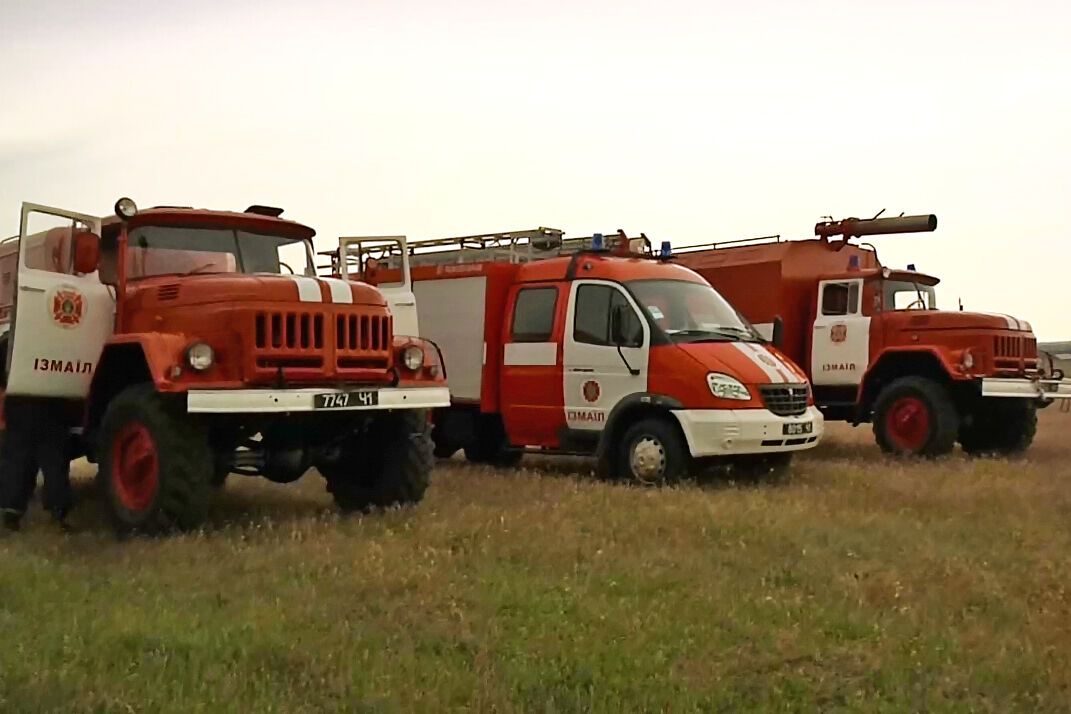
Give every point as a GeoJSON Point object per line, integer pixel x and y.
{"type": "Point", "coordinates": [135, 467]}
{"type": "Point", "coordinates": [908, 424]}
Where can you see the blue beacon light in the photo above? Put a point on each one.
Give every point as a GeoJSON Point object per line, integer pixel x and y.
{"type": "Point", "coordinates": [597, 242]}
{"type": "Point", "coordinates": [667, 250]}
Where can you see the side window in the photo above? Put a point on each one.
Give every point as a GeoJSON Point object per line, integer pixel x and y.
{"type": "Point", "coordinates": [840, 299]}
{"type": "Point", "coordinates": [591, 318]}
{"type": "Point", "coordinates": [49, 250]}
{"type": "Point", "coordinates": [631, 328]}
{"type": "Point", "coordinates": [533, 314]}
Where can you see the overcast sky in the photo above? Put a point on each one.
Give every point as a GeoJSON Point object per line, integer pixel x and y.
{"type": "Point", "coordinates": [691, 121]}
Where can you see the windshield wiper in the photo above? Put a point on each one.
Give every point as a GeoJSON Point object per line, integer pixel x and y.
{"type": "Point", "coordinates": [720, 334]}
{"type": "Point", "coordinates": [198, 269]}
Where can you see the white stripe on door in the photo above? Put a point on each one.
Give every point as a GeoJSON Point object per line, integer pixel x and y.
{"type": "Point", "coordinates": [530, 353]}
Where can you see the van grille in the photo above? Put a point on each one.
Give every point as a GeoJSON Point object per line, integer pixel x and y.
{"type": "Point", "coordinates": [785, 400]}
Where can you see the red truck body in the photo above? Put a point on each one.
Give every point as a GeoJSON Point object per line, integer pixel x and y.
{"type": "Point", "coordinates": [533, 367]}
{"type": "Point", "coordinates": [876, 347]}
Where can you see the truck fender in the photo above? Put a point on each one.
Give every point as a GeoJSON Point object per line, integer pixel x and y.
{"type": "Point", "coordinates": [128, 360]}
{"type": "Point", "coordinates": [629, 407]}
{"type": "Point", "coordinates": [893, 362]}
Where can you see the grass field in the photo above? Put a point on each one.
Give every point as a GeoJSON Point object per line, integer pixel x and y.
{"type": "Point", "coordinates": [859, 583]}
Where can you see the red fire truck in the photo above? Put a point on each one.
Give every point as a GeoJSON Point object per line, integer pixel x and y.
{"type": "Point", "coordinates": [874, 344]}
{"type": "Point", "coordinates": [626, 357]}
{"type": "Point", "coordinates": [191, 344]}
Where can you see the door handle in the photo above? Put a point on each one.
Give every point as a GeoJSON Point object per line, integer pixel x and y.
{"type": "Point", "coordinates": [30, 289]}
{"type": "Point", "coordinates": [581, 369]}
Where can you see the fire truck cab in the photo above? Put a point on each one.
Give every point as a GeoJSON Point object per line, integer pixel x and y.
{"type": "Point", "coordinates": [875, 345]}
{"type": "Point", "coordinates": [632, 359]}
{"type": "Point", "coordinates": [192, 344]}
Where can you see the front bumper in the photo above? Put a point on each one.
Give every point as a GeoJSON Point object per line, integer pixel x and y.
{"type": "Point", "coordinates": [725, 432]}
{"type": "Point", "coordinates": [1044, 389]}
{"type": "Point", "coordinates": [277, 401]}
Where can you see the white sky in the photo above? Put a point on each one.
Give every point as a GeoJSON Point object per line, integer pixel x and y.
{"type": "Point", "coordinates": [691, 121]}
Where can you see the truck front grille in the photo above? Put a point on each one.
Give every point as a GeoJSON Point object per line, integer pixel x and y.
{"type": "Point", "coordinates": [1015, 354]}
{"type": "Point", "coordinates": [289, 330]}
{"type": "Point", "coordinates": [312, 344]}
{"type": "Point", "coordinates": [785, 399]}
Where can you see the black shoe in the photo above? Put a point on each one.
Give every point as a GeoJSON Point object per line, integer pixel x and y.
{"type": "Point", "coordinates": [12, 520]}
{"type": "Point", "coordinates": [60, 519]}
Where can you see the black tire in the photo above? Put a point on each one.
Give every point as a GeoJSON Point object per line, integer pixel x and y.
{"type": "Point", "coordinates": [763, 466]}
{"type": "Point", "coordinates": [389, 464]}
{"type": "Point", "coordinates": [177, 497]}
{"type": "Point", "coordinates": [1000, 427]}
{"type": "Point", "coordinates": [661, 441]}
{"type": "Point", "coordinates": [915, 416]}
{"type": "Point", "coordinates": [492, 446]}
{"type": "Point", "coordinates": [219, 477]}
{"type": "Point", "coordinates": [444, 451]}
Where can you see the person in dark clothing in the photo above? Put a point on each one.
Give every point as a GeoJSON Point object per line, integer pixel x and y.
{"type": "Point", "coordinates": [35, 440]}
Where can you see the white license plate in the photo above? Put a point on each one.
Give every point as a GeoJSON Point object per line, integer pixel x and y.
{"type": "Point", "coordinates": [343, 400]}
{"type": "Point", "coordinates": [796, 429]}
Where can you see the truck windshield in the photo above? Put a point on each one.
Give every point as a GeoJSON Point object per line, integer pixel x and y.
{"type": "Point", "coordinates": [691, 312]}
{"type": "Point", "coordinates": [166, 250]}
{"type": "Point", "coordinates": [906, 295]}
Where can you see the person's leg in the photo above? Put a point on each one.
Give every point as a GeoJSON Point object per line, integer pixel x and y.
{"type": "Point", "coordinates": [52, 456]}
{"type": "Point", "coordinates": [18, 475]}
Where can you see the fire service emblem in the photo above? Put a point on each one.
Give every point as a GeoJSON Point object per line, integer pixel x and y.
{"type": "Point", "coordinates": [67, 306]}
{"type": "Point", "coordinates": [767, 359]}
{"type": "Point", "coordinates": [591, 391]}
{"type": "Point", "coordinates": [838, 333]}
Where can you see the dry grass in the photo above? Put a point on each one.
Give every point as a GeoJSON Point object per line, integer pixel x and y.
{"type": "Point", "coordinates": [859, 584]}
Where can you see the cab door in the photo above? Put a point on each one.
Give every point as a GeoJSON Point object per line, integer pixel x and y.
{"type": "Point", "coordinates": [62, 318]}
{"type": "Point", "coordinates": [392, 255]}
{"type": "Point", "coordinates": [601, 368]}
{"type": "Point", "coordinates": [531, 374]}
{"type": "Point", "coordinates": [840, 343]}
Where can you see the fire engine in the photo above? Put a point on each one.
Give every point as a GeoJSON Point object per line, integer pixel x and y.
{"type": "Point", "coordinates": [579, 351]}
{"type": "Point", "coordinates": [874, 344]}
{"type": "Point", "coordinates": [192, 344]}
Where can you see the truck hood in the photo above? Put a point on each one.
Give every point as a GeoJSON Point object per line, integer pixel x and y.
{"type": "Point", "coordinates": [749, 362]}
{"type": "Point", "coordinates": [923, 320]}
{"type": "Point", "coordinates": [183, 291]}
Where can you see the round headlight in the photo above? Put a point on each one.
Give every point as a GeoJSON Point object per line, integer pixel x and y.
{"type": "Point", "coordinates": [125, 208]}
{"type": "Point", "coordinates": [200, 356]}
{"type": "Point", "coordinates": [413, 358]}
{"type": "Point", "coordinates": [968, 359]}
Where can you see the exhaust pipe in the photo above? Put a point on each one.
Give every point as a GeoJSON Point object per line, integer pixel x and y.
{"type": "Point", "coordinates": [855, 227]}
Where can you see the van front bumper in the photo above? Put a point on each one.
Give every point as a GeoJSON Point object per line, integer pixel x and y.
{"type": "Point", "coordinates": [281, 401]}
{"type": "Point", "coordinates": [727, 432]}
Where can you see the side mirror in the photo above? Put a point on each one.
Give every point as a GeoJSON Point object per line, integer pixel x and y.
{"type": "Point", "coordinates": [778, 336]}
{"type": "Point", "coordinates": [371, 268]}
{"type": "Point", "coordinates": [86, 252]}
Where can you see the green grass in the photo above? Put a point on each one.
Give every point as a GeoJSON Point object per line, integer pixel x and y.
{"type": "Point", "coordinates": [859, 584]}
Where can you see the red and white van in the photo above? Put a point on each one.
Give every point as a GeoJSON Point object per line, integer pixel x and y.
{"type": "Point", "coordinates": [635, 360]}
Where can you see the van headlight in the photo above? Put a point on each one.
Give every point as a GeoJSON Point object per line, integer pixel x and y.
{"type": "Point", "coordinates": [200, 356]}
{"type": "Point", "coordinates": [413, 358]}
{"type": "Point", "coordinates": [723, 386]}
